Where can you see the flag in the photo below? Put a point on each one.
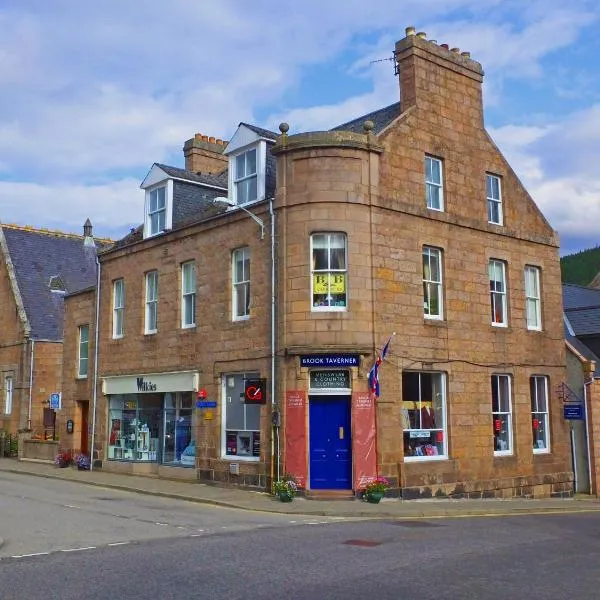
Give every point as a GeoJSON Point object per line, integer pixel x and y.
{"type": "Point", "coordinates": [374, 372]}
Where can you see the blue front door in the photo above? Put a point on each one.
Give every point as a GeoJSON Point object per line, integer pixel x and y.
{"type": "Point", "coordinates": [330, 443]}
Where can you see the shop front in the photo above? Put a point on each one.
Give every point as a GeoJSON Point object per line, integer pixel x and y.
{"type": "Point", "coordinates": [151, 418]}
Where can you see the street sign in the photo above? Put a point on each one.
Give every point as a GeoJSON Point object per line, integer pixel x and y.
{"type": "Point", "coordinates": [55, 401]}
{"type": "Point", "coordinates": [206, 404]}
{"type": "Point", "coordinates": [573, 412]}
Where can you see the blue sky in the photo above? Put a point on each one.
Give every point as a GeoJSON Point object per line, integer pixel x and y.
{"type": "Point", "coordinates": [94, 93]}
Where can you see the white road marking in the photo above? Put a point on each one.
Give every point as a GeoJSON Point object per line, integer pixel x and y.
{"type": "Point", "coordinates": [28, 555]}
{"type": "Point", "coordinates": [78, 549]}
{"type": "Point", "coordinates": [71, 506]}
{"type": "Point", "coordinates": [162, 524]}
{"type": "Point", "coordinates": [119, 543]}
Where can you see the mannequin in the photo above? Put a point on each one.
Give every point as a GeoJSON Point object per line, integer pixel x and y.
{"type": "Point", "coordinates": [427, 418]}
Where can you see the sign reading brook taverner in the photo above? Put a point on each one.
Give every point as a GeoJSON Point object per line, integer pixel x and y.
{"type": "Point", "coordinates": [330, 360]}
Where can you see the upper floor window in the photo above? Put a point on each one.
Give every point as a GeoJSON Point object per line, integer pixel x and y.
{"type": "Point", "coordinates": [432, 283]}
{"type": "Point", "coordinates": [533, 298]}
{"type": "Point", "coordinates": [150, 325]}
{"type": "Point", "coordinates": [84, 341]}
{"type": "Point", "coordinates": [118, 307]}
{"type": "Point", "coordinates": [246, 178]}
{"type": "Point", "coordinates": [157, 210]}
{"type": "Point", "coordinates": [497, 273]}
{"type": "Point", "coordinates": [502, 414]}
{"type": "Point", "coordinates": [188, 294]}
{"type": "Point", "coordinates": [329, 275]}
{"type": "Point", "coordinates": [434, 188]}
{"type": "Point", "coordinates": [494, 199]}
{"type": "Point", "coordinates": [241, 284]}
{"type": "Point", "coordinates": [540, 426]}
{"type": "Point", "coordinates": [8, 395]}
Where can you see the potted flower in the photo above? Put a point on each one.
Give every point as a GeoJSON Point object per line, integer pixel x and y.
{"type": "Point", "coordinates": [83, 462]}
{"type": "Point", "coordinates": [63, 459]}
{"type": "Point", "coordinates": [374, 491]}
{"type": "Point", "coordinates": [285, 488]}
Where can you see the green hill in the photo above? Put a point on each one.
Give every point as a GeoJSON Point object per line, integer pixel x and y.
{"type": "Point", "coordinates": [582, 267]}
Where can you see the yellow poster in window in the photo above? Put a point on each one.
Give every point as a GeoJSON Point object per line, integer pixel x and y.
{"type": "Point", "coordinates": [329, 283]}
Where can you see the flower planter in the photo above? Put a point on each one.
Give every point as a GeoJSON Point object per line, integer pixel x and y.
{"type": "Point", "coordinates": [373, 497]}
{"type": "Point", "coordinates": [285, 497]}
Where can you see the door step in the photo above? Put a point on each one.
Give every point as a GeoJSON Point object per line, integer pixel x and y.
{"type": "Point", "coordinates": [329, 494]}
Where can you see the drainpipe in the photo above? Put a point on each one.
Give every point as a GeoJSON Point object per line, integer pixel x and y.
{"type": "Point", "coordinates": [587, 430]}
{"type": "Point", "coordinates": [96, 338]}
{"type": "Point", "coordinates": [273, 341]}
{"type": "Point", "coordinates": [31, 347]}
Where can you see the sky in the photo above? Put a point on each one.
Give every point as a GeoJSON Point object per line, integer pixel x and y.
{"type": "Point", "coordinates": [93, 93]}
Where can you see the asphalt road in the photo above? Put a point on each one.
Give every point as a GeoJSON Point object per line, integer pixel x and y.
{"type": "Point", "coordinates": [259, 556]}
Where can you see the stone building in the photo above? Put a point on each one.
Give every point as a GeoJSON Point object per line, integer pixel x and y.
{"type": "Point", "coordinates": [383, 298]}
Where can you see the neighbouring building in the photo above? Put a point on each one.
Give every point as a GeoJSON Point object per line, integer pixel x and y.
{"type": "Point", "coordinates": [37, 268]}
{"type": "Point", "coordinates": [246, 325]}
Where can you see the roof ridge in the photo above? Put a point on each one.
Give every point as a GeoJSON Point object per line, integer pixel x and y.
{"type": "Point", "coordinates": [55, 232]}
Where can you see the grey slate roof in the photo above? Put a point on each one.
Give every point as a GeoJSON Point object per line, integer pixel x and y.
{"type": "Point", "coordinates": [270, 135]}
{"type": "Point", "coordinates": [579, 296]}
{"type": "Point", "coordinates": [582, 349]}
{"type": "Point", "coordinates": [584, 321]}
{"type": "Point", "coordinates": [39, 256]}
{"type": "Point", "coordinates": [381, 119]}
{"type": "Point", "coordinates": [220, 180]}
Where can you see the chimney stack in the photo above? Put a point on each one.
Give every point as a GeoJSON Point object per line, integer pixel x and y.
{"type": "Point", "coordinates": [204, 154]}
{"type": "Point", "coordinates": [436, 76]}
{"type": "Point", "coordinates": [88, 238]}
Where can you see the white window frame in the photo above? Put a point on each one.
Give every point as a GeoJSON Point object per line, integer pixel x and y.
{"type": "Point", "coordinates": [418, 403]}
{"type": "Point", "coordinates": [540, 411]}
{"type": "Point", "coordinates": [151, 300]}
{"type": "Point", "coordinates": [241, 179]}
{"type": "Point", "coordinates": [118, 308]}
{"type": "Point", "coordinates": [329, 272]}
{"type": "Point", "coordinates": [227, 396]}
{"type": "Point", "coordinates": [432, 287]}
{"type": "Point", "coordinates": [240, 313]}
{"type": "Point", "coordinates": [498, 292]}
{"type": "Point", "coordinates": [494, 200]}
{"type": "Point", "coordinates": [431, 183]}
{"type": "Point", "coordinates": [168, 221]}
{"type": "Point", "coordinates": [495, 379]}
{"type": "Point", "coordinates": [8, 394]}
{"type": "Point", "coordinates": [188, 295]}
{"type": "Point", "coordinates": [83, 362]}
{"type": "Point", "coordinates": [533, 298]}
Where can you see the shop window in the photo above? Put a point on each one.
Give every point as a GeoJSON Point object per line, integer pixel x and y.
{"type": "Point", "coordinates": [82, 359]}
{"type": "Point", "coordinates": [497, 274]}
{"type": "Point", "coordinates": [241, 284]}
{"type": "Point", "coordinates": [8, 395]}
{"type": "Point", "coordinates": [432, 283]}
{"type": "Point", "coordinates": [177, 442]}
{"type": "Point", "coordinates": [423, 415]}
{"type": "Point", "coordinates": [188, 294]}
{"type": "Point", "coordinates": [118, 307]}
{"type": "Point", "coordinates": [329, 277]}
{"type": "Point", "coordinates": [540, 426]}
{"type": "Point", "coordinates": [241, 421]}
{"type": "Point", "coordinates": [502, 415]}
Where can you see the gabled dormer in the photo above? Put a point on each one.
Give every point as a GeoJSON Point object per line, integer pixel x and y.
{"type": "Point", "coordinates": [249, 157]}
{"type": "Point", "coordinates": [158, 204]}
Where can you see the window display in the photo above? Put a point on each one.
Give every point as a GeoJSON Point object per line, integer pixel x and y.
{"type": "Point", "coordinates": [539, 413]}
{"type": "Point", "coordinates": [242, 421]}
{"type": "Point", "coordinates": [501, 414]}
{"type": "Point", "coordinates": [423, 414]}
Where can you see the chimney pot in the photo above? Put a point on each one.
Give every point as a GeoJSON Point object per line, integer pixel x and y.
{"type": "Point", "coordinates": [410, 31]}
{"type": "Point", "coordinates": [87, 228]}
{"type": "Point", "coordinates": [211, 139]}
{"type": "Point", "coordinates": [456, 50]}
{"type": "Point", "coordinates": [205, 138]}
{"type": "Point", "coordinates": [433, 41]}
{"type": "Point", "coordinates": [197, 136]}
{"type": "Point", "coordinates": [422, 35]}
{"type": "Point", "coordinates": [445, 46]}
{"type": "Point", "coordinates": [466, 54]}
{"type": "Point", "coordinates": [219, 141]}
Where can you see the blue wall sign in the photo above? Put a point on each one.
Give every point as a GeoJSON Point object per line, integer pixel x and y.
{"type": "Point", "coordinates": [330, 360]}
{"type": "Point", "coordinates": [206, 404]}
{"type": "Point", "coordinates": [55, 401]}
{"type": "Point", "coordinates": [573, 412]}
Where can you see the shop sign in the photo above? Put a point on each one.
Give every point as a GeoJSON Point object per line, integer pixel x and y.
{"type": "Point", "coordinates": [255, 391]}
{"type": "Point", "coordinates": [419, 433]}
{"type": "Point", "coordinates": [329, 283]}
{"type": "Point", "coordinates": [330, 380]}
{"type": "Point", "coordinates": [330, 360]}
{"type": "Point", "coordinates": [206, 404]}
{"type": "Point", "coordinates": [182, 381]}
{"type": "Point", "coordinates": [573, 412]}
{"type": "Point", "coordinates": [145, 385]}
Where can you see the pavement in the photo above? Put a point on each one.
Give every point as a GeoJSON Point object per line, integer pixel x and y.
{"type": "Point", "coordinates": [388, 508]}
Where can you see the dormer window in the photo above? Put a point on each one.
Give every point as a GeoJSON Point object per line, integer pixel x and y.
{"type": "Point", "coordinates": [246, 177]}
{"type": "Point", "coordinates": [157, 209]}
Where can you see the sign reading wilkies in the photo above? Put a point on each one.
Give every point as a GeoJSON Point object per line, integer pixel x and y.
{"type": "Point", "coordinates": [255, 391]}
{"type": "Point", "coordinates": [144, 385]}
{"type": "Point", "coordinates": [330, 360]}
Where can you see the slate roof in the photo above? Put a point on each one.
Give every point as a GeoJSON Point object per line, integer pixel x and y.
{"type": "Point", "coordinates": [381, 118]}
{"type": "Point", "coordinates": [270, 135]}
{"type": "Point", "coordinates": [38, 256]}
{"type": "Point", "coordinates": [220, 180]}
{"type": "Point", "coordinates": [579, 296]}
{"type": "Point", "coordinates": [581, 347]}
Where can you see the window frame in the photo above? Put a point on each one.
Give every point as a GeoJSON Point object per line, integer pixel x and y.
{"type": "Point", "coordinates": [492, 201]}
{"type": "Point", "coordinates": [150, 302]}
{"type": "Point", "coordinates": [535, 414]}
{"type": "Point", "coordinates": [429, 282]}
{"type": "Point", "coordinates": [118, 310]}
{"type": "Point", "coordinates": [9, 386]}
{"type": "Point", "coordinates": [439, 185]}
{"type": "Point", "coordinates": [225, 399]}
{"type": "Point", "coordinates": [81, 343]}
{"type": "Point", "coordinates": [237, 180]}
{"type": "Point", "coordinates": [329, 271]}
{"type": "Point", "coordinates": [443, 385]}
{"type": "Point", "coordinates": [498, 293]}
{"type": "Point", "coordinates": [244, 252]}
{"type": "Point", "coordinates": [532, 300]}
{"type": "Point", "coordinates": [509, 414]}
{"type": "Point", "coordinates": [186, 322]}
